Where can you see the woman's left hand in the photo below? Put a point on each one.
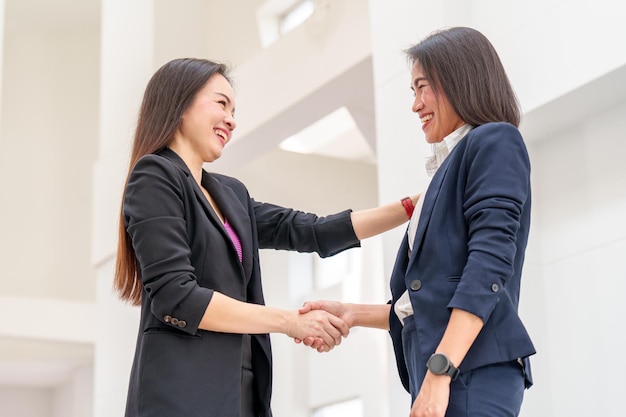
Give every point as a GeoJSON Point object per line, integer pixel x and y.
{"type": "Point", "coordinates": [433, 398]}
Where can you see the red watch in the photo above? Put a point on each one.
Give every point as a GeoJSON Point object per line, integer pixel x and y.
{"type": "Point", "coordinates": [407, 203]}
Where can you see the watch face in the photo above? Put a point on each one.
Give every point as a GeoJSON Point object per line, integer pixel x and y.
{"type": "Point", "coordinates": [438, 364]}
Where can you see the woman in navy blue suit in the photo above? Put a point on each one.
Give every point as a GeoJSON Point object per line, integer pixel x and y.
{"type": "Point", "coordinates": [461, 348]}
{"type": "Point", "coordinates": [188, 254]}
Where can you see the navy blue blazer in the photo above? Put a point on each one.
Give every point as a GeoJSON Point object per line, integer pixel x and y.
{"type": "Point", "coordinates": [469, 249]}
{"type": "Point", "coordinates": [185, 254]}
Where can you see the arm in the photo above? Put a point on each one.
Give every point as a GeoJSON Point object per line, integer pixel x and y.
{"type": "Point", "coordinates": [363, 315]}
{"type": "Point", "coordinates": [462, 330]}
{"type": "Point", "coordinates": [371, 222]}
{"type": "Point", "coordinates": [287, 229]}
{"type": "Point", "coordinates": [225, 314]}
{"type": "Point", "coordinates": [156, 220]}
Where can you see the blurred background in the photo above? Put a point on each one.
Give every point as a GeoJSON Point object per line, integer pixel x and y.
{"type": "Point", "coordinates": [324, 123]}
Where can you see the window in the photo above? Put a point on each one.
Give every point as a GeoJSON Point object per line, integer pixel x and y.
{"type": "Point", "coordinates": [295, 16]}
{"type": "Point", "coordinates": [277, 17]}
{"type": "Point", "coordinates": [350, 408]}
{"type": "Point", "coordinates": [334, 269]}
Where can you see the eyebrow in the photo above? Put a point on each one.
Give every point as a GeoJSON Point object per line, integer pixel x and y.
{"type": "Point", "coordinates": [223, 95]}
{"type": "Point", "coordinates": [227, 99]}
{"type": "Point", "coordinates": [417, 81]}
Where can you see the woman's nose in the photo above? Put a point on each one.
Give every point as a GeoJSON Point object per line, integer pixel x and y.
{"type": "Point", "coordinates": [230, 121]}
{"type": "Point", "coordinates": [417, 105]}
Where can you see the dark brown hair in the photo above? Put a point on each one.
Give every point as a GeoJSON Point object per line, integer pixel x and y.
{"type": "Point", "coordinates": [169, 93]}
{"type": "Point", "coordinates": [463, 64]}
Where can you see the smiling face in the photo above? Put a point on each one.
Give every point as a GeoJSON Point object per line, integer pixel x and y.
{"type": "Point", "coordinates": [435, 111]}
{"type": "Point", "coordinates": [207, 124]}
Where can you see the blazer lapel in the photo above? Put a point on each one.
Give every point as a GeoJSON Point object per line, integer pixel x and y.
{"type": "Point", "coordinates": [236, 215]}
{"type": "Point", "coordinates": [177, 160]}
{"type": "Point", "coordinates": [228, 203]}
{"type": "Point", "coordinates": [427, 209]}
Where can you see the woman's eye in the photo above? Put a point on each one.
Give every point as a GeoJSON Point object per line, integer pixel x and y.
{"type": "Point", "coordinates": [222, 103]}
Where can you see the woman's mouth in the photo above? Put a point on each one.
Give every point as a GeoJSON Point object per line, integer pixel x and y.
{"type": "Point", "coordinates": [426, 118]}
{"type": "Point", "coordinates": [222, 135]}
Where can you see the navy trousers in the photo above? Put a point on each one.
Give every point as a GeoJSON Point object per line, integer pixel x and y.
{"type": "Point", "coordinates": [495, 390]}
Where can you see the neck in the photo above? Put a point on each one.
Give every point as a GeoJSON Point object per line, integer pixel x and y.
{"type": "Point", "coordinates": [191, 160]}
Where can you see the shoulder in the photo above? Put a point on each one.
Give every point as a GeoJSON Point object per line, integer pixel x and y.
{"type": "Point", "coordinates": [153, 173]}
{"type": "Point", "coordinates": [495, 135]}
{"type": "Point", "coordinates": [155, 165]}
{"type": "Point", "coordinates": [154, 162]}
{"type": "Point", "coordinates": [496, 147]}
{"type": "Point", "coordinates": [495, 129]}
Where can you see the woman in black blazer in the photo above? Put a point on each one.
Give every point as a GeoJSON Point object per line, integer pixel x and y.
{"type": "Point", "coordinates": [461, 347]}
{"type": "Point", "coordinates": [188, 253]}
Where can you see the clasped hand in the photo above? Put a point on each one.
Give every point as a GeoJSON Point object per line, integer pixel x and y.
{"type": "Point", "coordinates": [336, 314]}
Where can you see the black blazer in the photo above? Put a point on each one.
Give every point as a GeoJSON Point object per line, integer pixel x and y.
{"type": "Point", "coordinates": [469, 250]}
{"type": "Point", "coordinates": [184, 254]}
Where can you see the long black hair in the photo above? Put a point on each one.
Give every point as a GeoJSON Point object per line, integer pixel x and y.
{"type": "Point", "coordinates": [170, 91]}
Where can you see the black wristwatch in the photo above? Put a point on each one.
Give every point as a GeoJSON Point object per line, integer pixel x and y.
{"type": "Point", "coordinates": [439, 364]}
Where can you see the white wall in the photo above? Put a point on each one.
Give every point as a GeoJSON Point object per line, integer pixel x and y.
{"type": "Point", "coordinates": [580, 197]}
{"type": "Point", "coordinates": [74, 398]}
{"type": "Point", "coordinates": [48, 123]}
{"type": "Point", "coordinates": [26, 402]}
{"type": "Point", "coordinates": [46, 161]}
{"type": "Point", "coordinates": [573, 273]}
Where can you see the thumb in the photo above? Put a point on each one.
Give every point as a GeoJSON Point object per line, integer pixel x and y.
{"type": "Point", "coordinates": [306, 307]}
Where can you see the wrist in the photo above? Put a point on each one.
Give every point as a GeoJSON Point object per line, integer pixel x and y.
{"type": "Point", "coordinates": [439, 364]}
{"type": "Point", "coordinates": [349, 314]}
{"type": "Point", "coordinates": [408, 205]}
{"type": "Point", "coordinates": [287, 322]}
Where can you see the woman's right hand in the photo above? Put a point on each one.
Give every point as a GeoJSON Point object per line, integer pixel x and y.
{"type": "Point", "coordinates": [335, 308]}
{"type": "Point", "coordinates": [322, 328]}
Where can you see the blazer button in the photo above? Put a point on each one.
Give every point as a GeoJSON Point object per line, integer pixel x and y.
{"type": "Point", "coordinates": [174, 321]}
{"type": "Point", "coordinates": [167, 319]}
{"type": "Point", "coordinates": [416, 284]}
{"type": "Point", "coordinates": [495, 287]}
{"type": "Point", "coordinates": [182, 323]}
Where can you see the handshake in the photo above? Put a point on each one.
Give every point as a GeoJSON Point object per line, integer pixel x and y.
{"type": "Point", "coordinates": [322, 324]}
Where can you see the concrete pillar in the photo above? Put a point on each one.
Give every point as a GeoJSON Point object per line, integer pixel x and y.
{"type": "Point", "coordinates": [125, 66]}
{"type": "Point", "coordinates": [401, 148]}
{"type": "Point", "coordinates": [137, 38]}
{"type": "Point", "coordinates": [2, 25]}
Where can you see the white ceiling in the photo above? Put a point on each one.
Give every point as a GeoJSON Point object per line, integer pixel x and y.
{"type": "Point", "coordinates": [45, 15]}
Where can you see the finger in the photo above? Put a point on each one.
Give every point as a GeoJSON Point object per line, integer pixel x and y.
{"type": "Point", "coordinates": [322, 327]}
{"type": "Point", "coordinates": [310, 305]}
{"type": "Point", "coordinates": [333, 332]}
{"type": "Point", "coordinates": [329, 334]}
{"type": "Point", "coordinates": [316, 343]}
{"type": "Point", "coordinates": [324, 348]}
{"type": "Point", "coordinates": [311, 341]}
{"type": "Point", "coordinates": [340, 325]}
{"type": "Point", "coordinates": [306, 307]}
